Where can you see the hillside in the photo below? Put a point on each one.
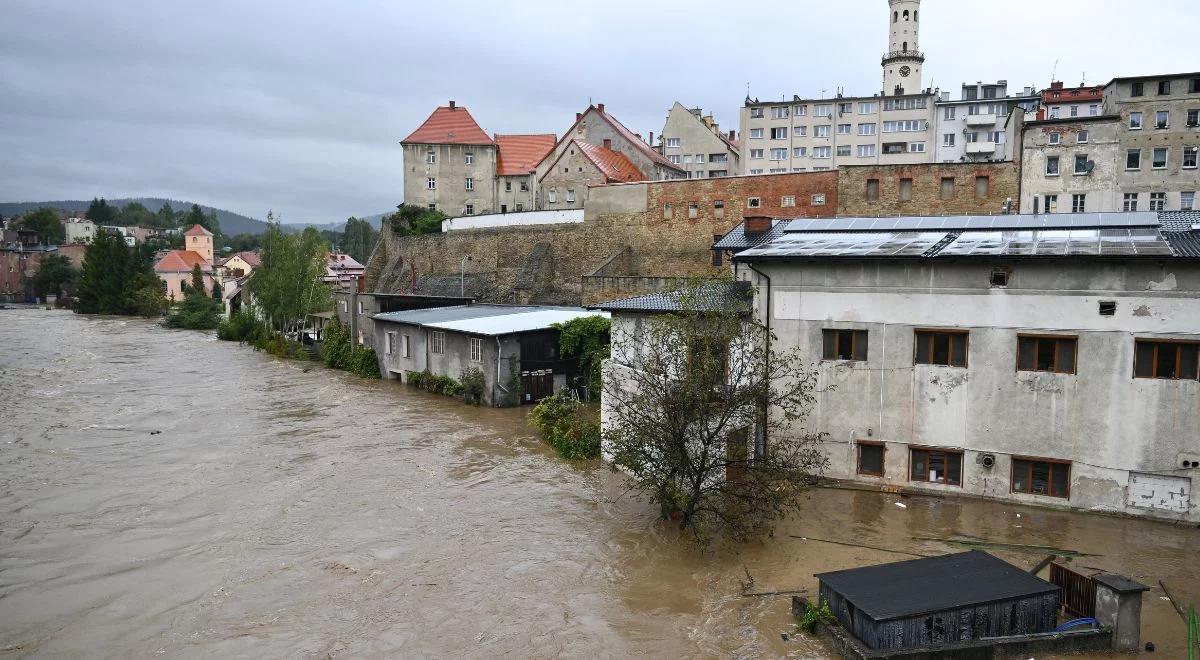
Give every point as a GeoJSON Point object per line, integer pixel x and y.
{"type": "Point", "coordinates": [231, 223]}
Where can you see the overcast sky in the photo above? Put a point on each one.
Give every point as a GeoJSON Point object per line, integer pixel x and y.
{"type": "Point", "coordinates": [299, 106]}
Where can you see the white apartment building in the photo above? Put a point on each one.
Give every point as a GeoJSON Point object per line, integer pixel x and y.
{"type": "Point", "coordinates": [893, 127]}
{"type": "Point", "coordinates": [694, 141]}
{"type": "Point", "coordinates": [976, 126]}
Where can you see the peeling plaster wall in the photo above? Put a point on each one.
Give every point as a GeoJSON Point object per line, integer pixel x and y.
{"type": "Point", "coordinates": [1102, 419]}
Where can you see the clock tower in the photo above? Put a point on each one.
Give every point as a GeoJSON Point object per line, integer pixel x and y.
{"type": "Point", "coordinates": [903, 62]}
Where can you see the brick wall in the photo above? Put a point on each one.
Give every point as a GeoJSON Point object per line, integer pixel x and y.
{"type": "Point", "coordinates": [926, 196]}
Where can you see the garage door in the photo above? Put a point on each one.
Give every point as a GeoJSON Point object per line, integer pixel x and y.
{"type": "Point", "coordinates": [1159, 492]}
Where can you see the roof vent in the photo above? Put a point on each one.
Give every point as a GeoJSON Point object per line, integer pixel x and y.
{"type": "Point", "coordinates": [452, 105]}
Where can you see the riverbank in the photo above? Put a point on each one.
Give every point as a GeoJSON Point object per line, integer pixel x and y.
{"type": "Point", "coordinates": [284, 512]}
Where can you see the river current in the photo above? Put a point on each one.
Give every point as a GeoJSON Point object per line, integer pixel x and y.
{"type": "Point", "coordinates": [166, 494]}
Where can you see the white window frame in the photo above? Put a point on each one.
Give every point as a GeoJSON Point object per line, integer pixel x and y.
{"type": "Point", "coordinates": [405, 346]}
{"type": "Point", "coordinates": [799, 152]}
{"type": "Point", "coordinates": [1166, 158]}
{"type": "Point", "coordinates": [821, 131]}
{"type": "Point", "coordinates": [1187, 200]}
{"type": "Point", "coordinates": [391, 342]}
{"type": "Point", "coordinates": [1057, 161]}
{"type": "Point", "coordinates": [822, 152]}
{"type": "Point", "coordinates": [1135, 121]}
{"type": "Point", "coordinates": [673, 142]}
{"type": "Point", "coordinates": [469, 158]}
{"type": "Point", "coordinates": [787, 201]}
{"type": "Point", "coordinates": [754, 202]}
{"type": "Point", "coordinates": [867, 129]}
{"type": "Point", "coordinates": [552, 196]}
{"type": "Point", "coordinates": [1158, 201]}
{"type": "Point", "coordinates": [430, 183]}
{"type": "Point", "coordinates": [779, 153]}
{"type": "Point", "coordinates": [470, 183]}
{"type": "Point", "coordinates": [1195, 154]}
{"type": "Point", "coordinates": [430, 157]}
{"type": "Point", "coordinates": [1129, 202]}
{"type": "Point", "coordinates": [1054, 138]}
{"type": "Point", "coordinates": [437, 342]}
{"type": "Point", "coordinates": [779, 112]}
{"type": "Point", "coordinates": [866, 151]}
{"type": "Point", "coordinates": [756, 113]}
{"type": "Point", "coordinates": [1083, 137]}
{"type": "Point", "coordinates": [756, 134]}
{"type": "Point", "coordinates": [867, 108]}
{"type": "Point", "coordinates": [844, 129]}
{"type": "Point", "coordinates": [1079, 203]}
{"type": "Point", "coordinates": [948, 139]}
{"type": "Point", "coordinates": [818, 199]}
{"type": "Point", "coordinates": [570, 196]}
{"type": "Point", "coordinates": [779, 133]}
{"type": "Point", "coordinates": [476, 346]}
{"type": "Point", "coordinates": [799, 131]}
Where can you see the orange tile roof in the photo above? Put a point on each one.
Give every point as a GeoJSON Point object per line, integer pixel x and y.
{"type": "Point", "coordinates": [615, 166]}
{"type": "Point", "coordinates": [180, 261]}
{"type": "Point", "coordinates": [637, 141]}
{"type": "Point", "coordinates": [449, 126]}
{"type": "Point", "coordinates": [197, 230]}
{"type": "Point", "coordinates": [520, 154]}
{"type": "Point", "coordinates": [251, 258]}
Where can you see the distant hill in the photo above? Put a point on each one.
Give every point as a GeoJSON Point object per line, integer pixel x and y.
{"type": "Point", "coordinates": [231, 223]}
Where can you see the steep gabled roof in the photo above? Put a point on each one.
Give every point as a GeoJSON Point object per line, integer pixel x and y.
{"type": "Point", "coordinates": [197, 230]}
{"type": "Point", "coordinates": [180, 261]}
{"type": "Point", "coordinates": [449, 125]}
{"type": "Point", "coordinates": [614, 165]}
{"type": "Point", "coordinates": [636, 141]}
{"type": "Point", "coordinates": [520, 154]}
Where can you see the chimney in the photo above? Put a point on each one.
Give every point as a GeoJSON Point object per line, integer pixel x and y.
{"type": "Point", "coordinates": [600, 107]}
{"type": "Point", "coordinates": [1056, 85]}
{"type": "Point", "coordinates": [732, 134]}
{"type": "Point", "coordinates": [652, 138]}
{"type": "Point", "coordinates": [755, 225]}
{"type": "Point", "coordinates": [578, 116]}
{"type": "Point", "coordinates": [452, 105]}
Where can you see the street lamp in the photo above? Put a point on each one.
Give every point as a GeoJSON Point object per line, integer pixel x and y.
{"type": "Point", "coordinates": [462, 276]}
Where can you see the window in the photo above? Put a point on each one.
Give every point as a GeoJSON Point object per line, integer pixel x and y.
{"type": "Point", "coordinates": [1055, 138]}
{"type": "Point", "coordinates": [1050, 204]}
{"type": "Point", "coordinates": [971, 137]}
{"type": "Point", "coordinates": [911, 103]}
{"type": "Point", "coordinates": [818, 199]}
{"type": "Point", "coordinates": [756, 154]}
{"type": "Point", "coordinates": [1159, 159]}
{"type": "Point", "coordinates": [1135, 121]}
{"type": "Point", "coordinates": [1093, 110]}
{"type": "Point", "coordinates": [1082, 137]}
{"type": "Point", "coordinates": [866, 129]}
{"type": "Point", "coordinates": [1054, 112]}
{"type": "Point", "coordinates": [844, 345]}
{"type": "Point", "coordinates": [1194, 86]}
{"type": "Point", "coordinates": [1187, 200]}
{"type": "Point", "coordinates": [1162, 119]}
{"type": "Point", "coordinates": [552, 195]}
{"type": "Point", "coordinates": [1051, 165]}
{"type": "Point", "coordinates": [391, 343]}
{"type": "Point", "coordinates": [756, 133]}
{"type": "Point", "coordinates": [1158, 201]}
{"type": "Point", "coordinates": [779, 133]}
{"type": "Point", "coordinates": [693, 209]}
{"type": "Point", "coordinates": [1130, 202]}
{"type": "Point", "coordinates": [935, 466]}
{"type": "Point", "coordinates": [870, 458]}
{"type": "Point", "coordinates": [825, 110]}
{"type": "Point", "coordinates": [405, 346]}
{"type": "Point", "coordinates": [524, 186]}
{"type": "Point", "coordinates": [1171, 360]}
{"type": "Point", "coordinates": [866, 151]}
{"type": "Point", "coordinates": [1074, 111]}
{"type": "Point", "coordinates": [787, 200]}
{"type": "Point", "coordinates": [949, 112]}
{"type": "Point", "coordinates": [903, 126]}
{"type": "Point", "coordinates": [845, 108]}
{"type": "Point", "coordinates": [822, 152]}
{"type": "Point", "coordinates": [432, 207]}
{"type": "Point", "coordinates": [1137, 89]}
{"type": "Point", "coordinates": [520, 207]}
{"type": "Point", "coordinates": [431, 183]}
{"type": "Point", "coordinates": [469, 158]}
{"type": "Point", "coordinates": [755, 113]}
{"type": "Point", "coordinates": [982, 186]}
{"type": "Point", "coordinates": [999, 277]}
{"type": "Point", "coordinates": [916, 147]}
{"type": "Point", "coordinates": [1107, 308]}
{"type": "Point", "coordinates": [799, 131]}
{"type": "Point", "coordinates": [430, 157]}
{"type": "Point", "coordinates": [843, 129]}
{"type": "Point", "coordinates": [1044, 353]}
{"type": "Point", "coordinates": [675, 158]}
{"type": "Point", "coordinates": [754, 203]}
{"type": "Point", "coordinates": [687, 159]}
{"type": "Point", "coordinates": [821, 131]}
{"type": "Point", "coordinates": [905, 189]}
{"type": "Point", "coordinates": [1041, 477]}
{"type": "Point", "coordinates": [947, 188]}
{"type": "Point", "coordinates": [872, 190]}
{"type": "Point", "coordinates": [868, 108]}
{"type": "Point", "coordinates": [948, 140]}
{"type": "Point", "coordinates": [570, 196]}
{"type": "Point", "coordinates": [437, 342]}
{"type": "Point", "coordinates": [1164, 87]}
{"type": "Point", "coordinates": [1079, 203]}
{"type": "Point", "coordinates": [476, 349]}
{"type": "Point", "coordinates": [469, 209]}
{"type": "Point", "coordinates": [779, 112]}
{"type": "Point", "coordinates": [1133, 159]}
{"type": "Point", "coordinates": [1189, 157]}
{"type": "Point", "coordinates": [508, 186]}
{"type": "Point", "coordinates": [800, 110]}
{"type": "Point", "coordinates": [779, 154]}
{"type": "Point", "coordinates": [947, 348]}
{"type": "Point", "coordinates": [843, 150]}
{"type": "Point", "coordinates": [470, 183]}
{"type": "Point", "coordinates": [1193, 118]}
{"type": "Point", "coordinates": [799, 152]}
{"type": "Point", "coordinates": [1081, 163]}
{"type": "Point", "coordinates": [668, 212]}
{"type": "Point", "coordinates": [756, 171]}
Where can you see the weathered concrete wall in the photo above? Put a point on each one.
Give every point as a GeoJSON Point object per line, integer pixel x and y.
{"type": "Point", "coordinates": [568, 179]}
{"type": "Point", "coordinates": [927, 197]}
{"type": "Point", "coordinates": [451, 171]}
{"type": "Point", "coordinates": [452, 361]}
{"type": "Point", "coordinates": [1110, 425]}
{"type": "Point", "coordinates": [1100, 146]}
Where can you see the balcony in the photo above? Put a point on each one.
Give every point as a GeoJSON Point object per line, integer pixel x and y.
{"type": "Point", "coordinates": [903, 54]}
{"type": "Point", "coordinates": [981, 120]}
{"type": "Point", "coordinates": [981, 148]}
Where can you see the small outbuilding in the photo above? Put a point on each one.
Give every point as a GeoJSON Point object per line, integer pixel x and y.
{"type": "Point", "coordinates": [939, 600]}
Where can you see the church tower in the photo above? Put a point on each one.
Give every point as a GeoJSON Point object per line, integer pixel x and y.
{"type": "Point", "coordinates": [903, 62]}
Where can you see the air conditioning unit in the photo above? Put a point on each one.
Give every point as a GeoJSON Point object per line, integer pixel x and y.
{"type": "Point", "coordinates": [986, 460]}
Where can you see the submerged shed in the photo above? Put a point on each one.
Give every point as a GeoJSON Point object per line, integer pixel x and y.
{"type": "Point", "coordinates": [939, 600]}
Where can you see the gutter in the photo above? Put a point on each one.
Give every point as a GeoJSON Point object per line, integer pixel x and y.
{"type": "Point", "coordinates": [767, 356]}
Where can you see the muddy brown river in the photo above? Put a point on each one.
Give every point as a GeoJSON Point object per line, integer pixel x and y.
{"type": "Point", "coordinates": [166, 494]}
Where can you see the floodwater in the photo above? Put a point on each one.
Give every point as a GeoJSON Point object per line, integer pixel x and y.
{"type": "Point", "coordinates": [166, 494]}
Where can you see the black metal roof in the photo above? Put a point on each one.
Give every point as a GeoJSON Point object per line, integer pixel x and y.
{"type": "Point", "coordinates": [1178, 220]}
{"type": "Point", "coordinates": [934, 584]}
{"type": "Point", "coordinates": [708, 296]}
{"type": "Point", "coordinates": [737, 239]}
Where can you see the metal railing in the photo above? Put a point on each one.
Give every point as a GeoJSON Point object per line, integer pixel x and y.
{"type": "Point", "coordinates": [904, 53]}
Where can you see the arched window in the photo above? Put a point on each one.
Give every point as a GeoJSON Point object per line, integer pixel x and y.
{"type": "Point", "coordinates": [914, 15]}
{"type": "Point", "coordinates": [905, 48]}
{"type": "Point", "coordinates": [895, 16]}
{"type": "Point", "coordinates": [906, 14]}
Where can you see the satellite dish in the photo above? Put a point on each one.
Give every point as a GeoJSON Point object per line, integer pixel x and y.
{"type": "Point", "coordinates": [1091, 165]}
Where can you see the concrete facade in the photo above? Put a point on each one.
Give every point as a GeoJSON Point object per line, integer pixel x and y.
{"type": "Point", "coordinates": [977, 126]}
{"type": "Point", "coordinates": [515, 193]}
{"type": "Point", "coordinates": [454, 359]}
{"type": "Point", "coordinates": [1123, 440]}
{"type": "Point", "coordinates": [567, 179]}
{"type": "Point", "coordinates": [454, 167]}
{"type": "Point", "coordinates": [694, 141]}
{"type": "Point", "coordinates": [1060, 102]}
{"type": "Point", "coordinates": [1051, 182]}
{"type": "Point", "coordinates": [1160, 123]}
{"type": "Point", "coordinates": [931, 189]}
{"type": "Point", "coordinates": [79, 230]}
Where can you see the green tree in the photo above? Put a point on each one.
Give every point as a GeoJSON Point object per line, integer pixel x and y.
{"type": "Point", "coordinates": [197, 216]}
{"type": "Point", "coordinates": [359, 239]}
{"type": "Point", "coordinates": [409, 220]}
{"type": "Point", "coordinates": [686, 404]}
{"type": "Point", "coordinates": [288, 285]}
{"type": "Point", "coordinates": [243, 242]}
{"type": "Point", "coordinates": [105, 273]}
{"type": "Point", "coordinates": [165, 218]}
{"type": "Point", "coordinates": [101, 213]}
{"type": "Point", "coordinates": [586, 339]}
{"type": "Point", "coordinates": [135, 214]}
{"type": "Point", "coordinates": [47, 223]}
{"type": "Point", "coordinates": [55, 275]}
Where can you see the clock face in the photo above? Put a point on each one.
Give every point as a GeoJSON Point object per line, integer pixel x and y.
{"type": "Point", "coordinates": [904, 71]}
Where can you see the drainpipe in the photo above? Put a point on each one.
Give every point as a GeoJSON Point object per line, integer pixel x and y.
{"type": "Point", "coordinates": [767, 356]}
{"type": "Point", "coordinates": [497, 383]}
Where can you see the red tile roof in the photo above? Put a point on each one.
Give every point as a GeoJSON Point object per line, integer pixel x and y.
{"type": "Point", "coordinates": [197, 230]}
{"type": "Point", "coordinates": [615, 166]}
{"type": "Point", "coordinates": [251, 258]}
{"type": "Point", "coordinates": [449, 125]}
{"type": "Point", "coordinates": [180, 261]}
{"type": "Point", "coordinates": [520, 154]}
{"type": "Point", "coordinates": [636, 141]}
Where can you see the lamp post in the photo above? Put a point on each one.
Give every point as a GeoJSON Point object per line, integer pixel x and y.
{"type": "Point", "coordinates": [462, 276]}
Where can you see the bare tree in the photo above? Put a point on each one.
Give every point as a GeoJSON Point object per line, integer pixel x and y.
{"type": "Point", "coordinates": [701, 414]}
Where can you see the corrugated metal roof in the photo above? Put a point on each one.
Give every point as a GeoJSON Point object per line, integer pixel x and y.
{"type": "Point", "coordinates": [977, 222]}
{"type": "Point", "coordinates": [712, 296]}
{"type": "Point", "coordinates": [1185, 243]}
{"type": "Point", "coordinates": [489, 320]}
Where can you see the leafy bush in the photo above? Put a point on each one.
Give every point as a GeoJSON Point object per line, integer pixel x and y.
{"type": "Point", "coordinates": [196, 312]}
{"type": "Point", "coordinates": [338, 349]}
{"type": "Point", "coordinates": [364, 362]}
{"type": "Point", "coordinates": [242, 326]}
{"type": "Point", "coordinates": [280, 346]}
{"type": "Point", "coordinates": [568, 425]}
{"type": "Point", "coordinates": [586, 338]}
{"type": "Point", "coordinates": [814, 615]}
{"type": "Point", "coordinates": [411, 220]}
{"type": "Point", "coordinates": [472, 386]}
{"type": "Point", "coordinates": [434, 384]}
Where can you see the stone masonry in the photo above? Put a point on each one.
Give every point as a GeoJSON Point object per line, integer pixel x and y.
{"type": "Point", "coordinates": [931, 189]}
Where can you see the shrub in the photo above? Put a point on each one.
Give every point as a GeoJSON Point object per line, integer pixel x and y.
{"type": "Point", "coordinates": [242, 326]}
{"type": "Point", "coordinates": [279, 346]}
{"type": "Point", "coordinates": [364, 362]}
{"type": "Point", "coordinates": [568, 425]}
{"type": "Point", "coordinates": [472, 386]}
{"type": "Point", "coordinates": [337, 346]}
{"type": "Point", "coordinates": [814, 615]}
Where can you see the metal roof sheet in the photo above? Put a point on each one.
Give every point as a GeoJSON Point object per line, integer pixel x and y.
{"type": "Point", "coordinates": [710, 296]}
{"type": "Point", "coordinates": [490, 320]}
{"type": "Point", "coordinates": [737, 239]}
{"type": "Point", "coordinates": [976, 222]}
